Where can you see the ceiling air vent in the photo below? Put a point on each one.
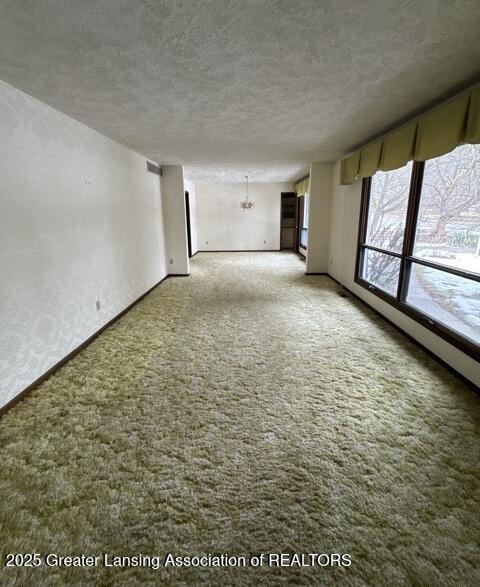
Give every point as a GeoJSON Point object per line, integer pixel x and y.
{"type": "Point", "coordinates": [153, 168]}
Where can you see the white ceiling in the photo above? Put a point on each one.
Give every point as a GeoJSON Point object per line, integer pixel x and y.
{"type": "Point", "coordinates": [229, 87]}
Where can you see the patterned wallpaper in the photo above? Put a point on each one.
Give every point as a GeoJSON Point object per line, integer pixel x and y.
{"type": "Point", "coordinates": [80, 221]}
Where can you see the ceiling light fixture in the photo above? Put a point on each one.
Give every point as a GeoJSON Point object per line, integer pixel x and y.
{"type": "Point", "coordinates": [246, 204]}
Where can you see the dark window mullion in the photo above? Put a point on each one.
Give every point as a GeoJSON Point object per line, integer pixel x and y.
{"type": "Point", "coordinates": [362, 228]}
{"type": "Point", "coordinates": [383, 251]}
{"type": "Point", "coordinates": [410, 229]}
{"type": "Point", "coordinates": [367, 186]}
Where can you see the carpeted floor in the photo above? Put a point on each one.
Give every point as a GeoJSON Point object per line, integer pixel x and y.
{"type": "Point", "coordinates": [247, 409]}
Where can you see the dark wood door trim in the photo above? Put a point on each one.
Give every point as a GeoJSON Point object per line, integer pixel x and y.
{"type": "Point", "coordinates": [189, 234]}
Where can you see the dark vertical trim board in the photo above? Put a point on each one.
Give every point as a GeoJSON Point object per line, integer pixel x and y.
{"type": "Point", "coordinates": [187, 221]}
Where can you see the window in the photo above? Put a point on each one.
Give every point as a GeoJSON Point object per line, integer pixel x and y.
{"type": "Point", "coordinates": [385, 228]}
{"type": "Point", "coordinates": [448, 226]}
{"type": "Point", "coordinates": [387, 211]}
{"type": "Point", "coordinates": [419, 243]}
{"type": "Point", "coordinates": [304, 221]}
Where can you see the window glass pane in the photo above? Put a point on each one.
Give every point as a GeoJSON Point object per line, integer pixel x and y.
{"type": "Point", "coordinates": [306, 208]}
{"type": "Point", "coordinates": [448, 227]}
{"type": "Point", "coordinates": [446, 298]}
{"type": "Point", "coordinates": [387, 208]}
{"type": "Point", "coordinates": [303, 238]}
{"type": "Point", "coordinates": [381, 270]}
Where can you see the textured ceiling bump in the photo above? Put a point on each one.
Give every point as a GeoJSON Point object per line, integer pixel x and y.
{"type": "Point", "coordinates": [226, 88]}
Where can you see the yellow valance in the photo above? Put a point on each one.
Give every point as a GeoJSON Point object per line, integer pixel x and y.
{"type": "Point", "coordinates": [369, 159]}
{"type": "Point", "coordinates": [472, 133]}
{"type": "Point", "coordinates": [431, 135]}
{"type": "Point", "coordinates": [398, 147]}
{"type": "Point", "coordinates": [442, 129]}
{"type": "Point", "coordinates": [349, 168]}
{"type": "Point", "coordinates": [303, 187]}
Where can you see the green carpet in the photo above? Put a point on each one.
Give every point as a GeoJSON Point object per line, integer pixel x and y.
{"type": "Point", "coordinates": [247, 409]}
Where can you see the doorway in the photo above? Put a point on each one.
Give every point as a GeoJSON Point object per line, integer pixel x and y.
{"type": "Point", "coordinates": [187, 213]}
{"type": "Point", "coordinates": [288, 221]}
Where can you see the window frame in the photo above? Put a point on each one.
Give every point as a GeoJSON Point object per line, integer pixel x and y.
{"type": "Point", "coordinates": [407, 258]}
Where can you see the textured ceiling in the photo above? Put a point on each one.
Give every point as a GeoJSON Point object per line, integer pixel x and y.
{"type": "Point", "coordinates": [241, 86]}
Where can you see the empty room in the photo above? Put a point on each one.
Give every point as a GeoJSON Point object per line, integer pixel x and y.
{"type": "Point", "coordinates": [240, 292]}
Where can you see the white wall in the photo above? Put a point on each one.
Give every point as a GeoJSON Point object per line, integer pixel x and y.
{"type": "Point", "coordinates": [190, 187]}
{"type": "Point", "coordinates": [342, 257]}
{"type": "Point", "coordinates": [173, 199]}
{"type": "Point", "coordinates": [80, 221]}
{"type": "Point", "coordinates": [224, 226]}
{"type": "Point", "coordinates": [319, 217]}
